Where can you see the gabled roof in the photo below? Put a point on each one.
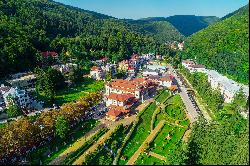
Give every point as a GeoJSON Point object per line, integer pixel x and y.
{"type": "Point", "coordinates": [48, 53]}
{"type": "Point", "coordinates": [95, 68]}
{"type": "Point", "coordinates": [120, 97]}
{"type": "Point", "coordinates": [118, 108]}
{"type": "Point", "coordinates": [113, 112]}
{"type": "Point", "coordinates": [197, 66]}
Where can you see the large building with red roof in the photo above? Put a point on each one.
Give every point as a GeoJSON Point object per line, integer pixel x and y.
{"type": "Point", "coordinates": [122, 94]}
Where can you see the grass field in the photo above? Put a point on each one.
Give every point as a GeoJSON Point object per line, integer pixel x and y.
{"type": "Point", "coordinates": [139, 134]}
{"type": "Point", "coordinates": [143, 159]}
{"type": "Point", "coordinates": [163, 146]}
{"type": "Point", "coordinates": [162, 96]}
{"type": "Point", "coordinates": [41, 153]}
{"type": "Point", "coordinates": [74, 92]}
{"type": "Point", "coordinates": [173, 111]}
{"type": "Point", "coordinates": [106, 154]}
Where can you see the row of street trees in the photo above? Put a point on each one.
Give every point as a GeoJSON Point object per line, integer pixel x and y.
{"type": "Point", "coordinates": [21, 136]}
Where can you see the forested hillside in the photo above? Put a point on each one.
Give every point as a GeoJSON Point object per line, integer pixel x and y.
{"type": "Point", "coordinates": [30, 26]}
{"type": "Point", "coordinates": [161, 29]}
{"type": "Point", "coordinates": [223, 46]}
{"type": "Point", "coordinates": [189, 24]}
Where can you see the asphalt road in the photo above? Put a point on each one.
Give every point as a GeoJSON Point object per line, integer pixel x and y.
{"type": "Point", "coordinates": [193, 114]}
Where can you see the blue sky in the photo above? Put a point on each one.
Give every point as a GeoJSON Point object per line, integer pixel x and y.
{"type": "Point", "coordinates": [136, 9]}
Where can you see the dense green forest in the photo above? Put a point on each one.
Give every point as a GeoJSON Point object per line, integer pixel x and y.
{"type": "Point", "coordinates": [223, 46]}
{"type": "Point", "coordinates": [162, 30]}
{"type": "Point", "coordinates": [189, 24]}
{"type": "Point", "coordinates": [185, 24]}
{"type": "Point", "coordinates": [222, 141]}
{"type": "Point", "coordinates": [30, 26]}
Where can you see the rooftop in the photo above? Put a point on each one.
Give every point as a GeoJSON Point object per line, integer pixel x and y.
{"type": "Point", "coordinates": [120, 97]}
{"type": "Point", "coordinates": [229, 84]}
{"type": "Point", "coordinates": [155, 67]}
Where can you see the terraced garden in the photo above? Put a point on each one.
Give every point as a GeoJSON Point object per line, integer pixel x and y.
{"type": "Point", "coordinates": [171, 134]}
{"type": "Point", "coordinates": [72, 157]}
{"type": "Point", "coordinates": [140, 133]}
{"type": "Point", "coordinates": [106, 154]}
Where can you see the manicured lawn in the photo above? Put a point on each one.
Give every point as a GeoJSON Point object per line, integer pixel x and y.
{"type": "Point", "coordinates": [71, 158]}
{"type": "Point", "coordinates": [175, 112]}
{"type": "Point", "coordinates": [74, 92]}
{"type": "Point", "coordinates": [144, 159]}
{"type": "Point", "coordinates": [139, 134]}
{"type": "Point", "coordinates": [185, 122]}
{"type": "Point", "coordinates": [163, 96]}
{"type": "Point", "coordinates": [176, 100]}
{"type": "Point", "coordinates": [107, 153]}
{"type": "Point", "coordinates": [163, 146]}
{"type": "Point", "coordinates": [40, 154]}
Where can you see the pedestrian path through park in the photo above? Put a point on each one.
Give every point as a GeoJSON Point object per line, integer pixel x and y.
{"type": "Point", "coordinates": [148, 140]}
{"type": "Point", "coordinates": [75, 146]}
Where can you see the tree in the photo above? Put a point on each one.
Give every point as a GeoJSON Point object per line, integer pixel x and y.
{"type": "Point", "coordinates": [13, 109]}
{"type": "Point", "coordinates": [62, 127]}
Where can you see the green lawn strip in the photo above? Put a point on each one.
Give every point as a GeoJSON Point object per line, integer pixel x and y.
{"type": "Point", "coordinates": [185, 122]}
{"type": "Point", "coordinates": [162, 96]}
{"type": "Point", "coordinates": [2, 125]}
{"type": "Point", "coordinates": [144, 159]}
{"type": "Point", "coordinates": [140, 133]}
{"type": "Point", "coordinates": [119, 151]}
{"type": "Point", "coordinates": [161, 145]}
{"type": "Point", "coordinates": [78, 90]}
{"type": "Point", "coordinates": [57, 146]}
{"type": "Point", "coordinates": [72, 157]}
{"type": "Point", "coordinates": [106, 155]}
{"type": "Point", "coordinates": [156, 112]}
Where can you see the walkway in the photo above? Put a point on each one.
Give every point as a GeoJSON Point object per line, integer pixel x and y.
{"type": "Point", "coordinates": [101, 141]}
{"type": "Point", "coordinates": [157, 156]}
{"type": "Point", "coordinates": [148, 140]}
{"type": "Point", "coordinates": [204, 113]}
{"type": "Point", "coordinates": [193, 115]}
{"type": "Point", "coordinates": [75, 146]}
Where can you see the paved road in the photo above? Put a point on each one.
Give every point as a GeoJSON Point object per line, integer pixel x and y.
{"type": "Point", "coordinates": [192, 113]}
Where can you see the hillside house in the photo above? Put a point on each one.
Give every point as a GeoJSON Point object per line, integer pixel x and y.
{"type": "Point", "coordinates": [22, 80]}
{"type": "Point", "coordinates": [187, 63]}
{"type": "Point", "coordinates": [97, 73]}
{"type": "Point", "coordinates": [197, 68]}
{"type": "Point", "coordinates": [11, 95]}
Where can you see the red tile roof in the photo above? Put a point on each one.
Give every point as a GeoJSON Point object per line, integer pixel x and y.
{"type": "Point", "coordinates": [113, 112]}
{"type": "Point", "coordinates": [95, 68]}
{"type": "Point", "coordinates": [104, 59]}
{"type": "Point", "coordinates": [47, 54]}
{"type": "Point", "coordinates": [188, 62]}
{"type": "Point", "coordinates": [173, 87]}
{"type": "Point", "coordinates": [118, 108]}
{"type": "Point", "coordinates": [135, 56]}
{"type": "Point", "coordinates": [120, 97]}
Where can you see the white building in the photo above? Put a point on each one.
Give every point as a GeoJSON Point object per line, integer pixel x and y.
{"type": "Point", "coordinates": [228, 88]}
{"type": "Point", "coordinates": [22, 80]}
{"type": "Point", "coordinates": [160, 68]}
{"type": "Point", "coordinates": [97, 73]}
{"type": "Point", "coordinates": [11, 95]}
{"type": "Point", "coordinates": [149, 72]}
{"type": "Point", "coordinates": [166, 81]}
{"type": "Point", "coordinates": [63, 68]}
{"type": "Point", "coordinates": [187, 63]}
{"type": "Point", "coordinates": [197, 68]}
